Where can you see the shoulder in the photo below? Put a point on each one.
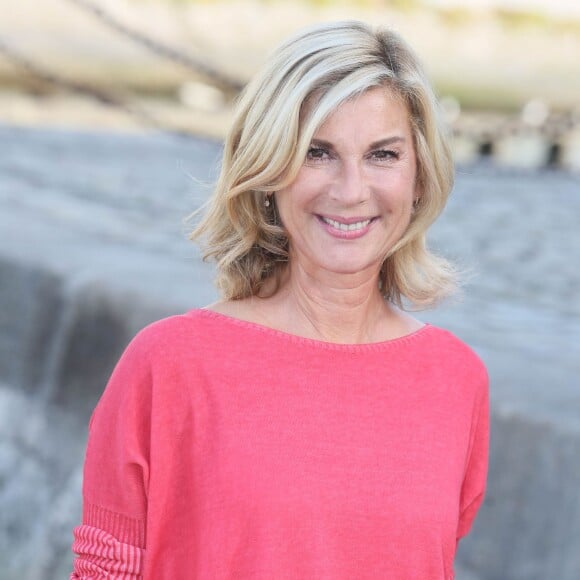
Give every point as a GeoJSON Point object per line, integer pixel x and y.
{"type": "Point", "coordinates": [180, 335]}
{"type": "Point", "coordinates": [443, 341]}
{"type": "Point", "coordinates": [192, 325]}
{"type": "Point", "coordinates": [252, 309]}
{"type": "Point", "coordinates": [164, 336]}
{"type": "Point", "coordinates": [164, 331]}
{"type": "Point", "coordinates": [450, 352]}
{"type": "Point", "coordinates": [155, 356]}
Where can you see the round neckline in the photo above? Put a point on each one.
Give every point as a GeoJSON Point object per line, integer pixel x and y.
{"type": "Point", "coordinates": [274, 332]}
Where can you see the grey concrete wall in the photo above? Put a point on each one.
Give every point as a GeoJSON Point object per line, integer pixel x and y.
{"type": "Point", "coordinates": [93, 248]}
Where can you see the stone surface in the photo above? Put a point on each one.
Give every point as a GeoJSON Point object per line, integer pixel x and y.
{"type": "Point", "coordinates": [94, 247]}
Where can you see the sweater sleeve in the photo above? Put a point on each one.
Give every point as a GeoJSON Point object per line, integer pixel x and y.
{"type": "Point", "coordinates": [474, 482]}
{"type": "Point", "coordinates": [111, 541]}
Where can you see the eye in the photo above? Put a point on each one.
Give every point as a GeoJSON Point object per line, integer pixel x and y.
{"type": "Point", "coordinates": [385, 154]}
{"type": "Point", "coordinates": [317, 154]}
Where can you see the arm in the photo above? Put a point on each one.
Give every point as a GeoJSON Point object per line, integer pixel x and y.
{"type": "Point", "coordinates": [111, 541]}
{"type": "Point", "coordinates": [102, 555]}
{"type": "Point", "coordinates": [474, 482]}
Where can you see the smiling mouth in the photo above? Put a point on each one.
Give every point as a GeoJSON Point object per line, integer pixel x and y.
{"type": "Point", "coordinates": [352, 227]}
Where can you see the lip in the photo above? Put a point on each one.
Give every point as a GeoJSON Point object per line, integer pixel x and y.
{"type": "Point", "coordinates": [346, 234]}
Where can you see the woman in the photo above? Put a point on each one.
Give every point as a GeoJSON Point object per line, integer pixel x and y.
{"type": "Point", "coordinates": [305, 426]}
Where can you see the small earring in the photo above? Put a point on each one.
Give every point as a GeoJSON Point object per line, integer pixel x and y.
{"type": "Point", "coordinates": [267, 201]}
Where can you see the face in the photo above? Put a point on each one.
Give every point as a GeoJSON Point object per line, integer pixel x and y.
{"type": "Point", "coordinates": [352, 198]}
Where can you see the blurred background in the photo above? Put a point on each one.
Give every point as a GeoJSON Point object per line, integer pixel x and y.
{"type": "Point", "coordinates": [500, 66]}
{"type": "Point", "coordinates": [111, 120]}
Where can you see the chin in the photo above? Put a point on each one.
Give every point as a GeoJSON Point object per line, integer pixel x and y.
{"type": "Point", "coordinates": [351, 268]}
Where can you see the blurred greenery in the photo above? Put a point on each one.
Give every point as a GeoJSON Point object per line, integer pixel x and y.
{"type": "Point", "coordinates": [522, 19]}
{"type": "Point", "coordinates": [456, 16]}
{"type": "Point", "coordinates": [482, 97]}
{"type": "Point", "coordinates": [404, 5]}
{"type": "Point", "coordinates": [452, 15]}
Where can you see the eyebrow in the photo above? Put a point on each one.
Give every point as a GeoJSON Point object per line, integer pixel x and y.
{"type": "Point", "coordinates": [374, 145]}
{"type": "Point", "coordinates": [388, 141]}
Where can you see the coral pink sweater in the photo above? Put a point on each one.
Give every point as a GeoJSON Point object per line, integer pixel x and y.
{"type": "Point", "coordinates": [223, 449]}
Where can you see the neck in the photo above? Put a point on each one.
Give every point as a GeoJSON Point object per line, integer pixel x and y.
{"type": "Point", "coordinates": [335, 308]}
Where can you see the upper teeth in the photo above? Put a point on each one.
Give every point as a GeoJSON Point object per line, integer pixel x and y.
{"type": "Point", "coordinates": [346, 227]}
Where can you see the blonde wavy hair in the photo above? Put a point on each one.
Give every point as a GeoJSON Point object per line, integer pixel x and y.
{"type": "Point", "coordinates": [323, 66]}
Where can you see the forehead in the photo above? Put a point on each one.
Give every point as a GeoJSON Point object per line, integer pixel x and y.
{"type": "Point", "coordinates": [376, 110]}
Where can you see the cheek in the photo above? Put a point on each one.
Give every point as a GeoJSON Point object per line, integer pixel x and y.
{"type": "Point", "coordinates": [285, 200]}
{"type": "Point", "coordinates": [287, 209]}
{"type": "Point", "coordinates": [404, 188]}
{"type": "Point", "coordinates": [397, 198]}
{"type": "Point", "coordinates": [296, 198]}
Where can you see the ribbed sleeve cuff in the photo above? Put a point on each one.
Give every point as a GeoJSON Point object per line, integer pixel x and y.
{"type": "Point", "coordinates": [100, 555]}
{"type": "Point", "coordinates": [125, 529]}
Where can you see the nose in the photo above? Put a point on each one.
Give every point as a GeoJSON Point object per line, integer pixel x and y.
{"type": "Point", "coordinates": [351, 186]}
